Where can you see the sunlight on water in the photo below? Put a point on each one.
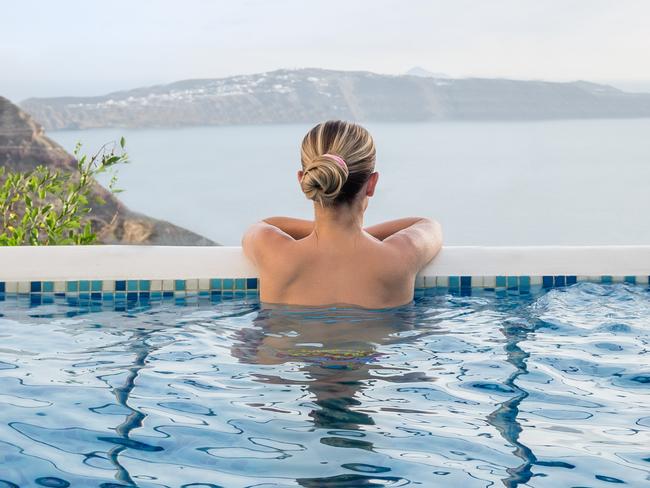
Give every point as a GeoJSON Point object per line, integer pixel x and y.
{"type": "Point", "coordinates": [546, 391]}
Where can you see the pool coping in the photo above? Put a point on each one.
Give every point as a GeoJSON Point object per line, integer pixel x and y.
{"type": "Point", "coordinates": [113, 270]}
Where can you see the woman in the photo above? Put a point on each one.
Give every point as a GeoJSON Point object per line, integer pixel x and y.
{"type": "Point", "coordinates": [333, 259]}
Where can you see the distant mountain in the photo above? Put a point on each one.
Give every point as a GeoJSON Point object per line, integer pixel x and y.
{"type": "Point", "coordinates": [23, 146]}
{"type": "Point", "coordinates": [419, 71]}
{"type": "Point", "coordinates": [311, 95]}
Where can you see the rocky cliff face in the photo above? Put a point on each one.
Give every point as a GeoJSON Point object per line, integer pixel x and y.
{"type": "Point", "coordinates": [23, 146]}
{"type": "Point", "coordinates": [311, 95]}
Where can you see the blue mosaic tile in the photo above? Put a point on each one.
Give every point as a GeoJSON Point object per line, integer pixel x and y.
{"type": "Point", "coordinates": [48, 287]}
{"type": "Point", "coordinates": [466, 282]}
{"type": "Point", "coordinates": [132, 285]}
{"type": "Point", "coordinates": [179, 285]}
{"type": "Point", "coordinates": [120, 285]}
{"type": "Point", "coordinates": [560, 281]}
{"type": "Point", "coordinates": [524, 283]}
{"type": "Point", "coordinates": [2, 286]}
{"type": "Point", "coordinates": [96, 295]}
{"type": "Point", "coordinates": [132, 296]}
{"type": "Point", "coordinates": [168, 294]}
{"type": "Point", "coordinates": [547, 281]}
{"type": "Point", "coordinates": [500, 281]}
{"type": "Point", "coordinates": [571, 280]}
{"type": "Point", "coordinates": [227, 284]}
{"type": "Point", "coordinates": [35, 287]}
{"type": "Point", "coordinates": [72, 286]}
{"type": "Point", "coordinates": [215, 284]}
{"type": "Point", "coordinates": [251, 283]}
{"type": "Point", "coordinates": [512, 282]}
{"type": "Point", "coordinates": [240, 284]}
{"type": "Point", "coordinates": [96, 285]}
{"type": "Point", "coordinates": [84, 285]}
{"type": "Point", "coordinates": [606, 279]}
{"type": "Point", "coordinates": [630, 279]}
{"type": "Point", "coordinates": [144, 285]}
{"type": "Point", "coordinates": [109, 295]}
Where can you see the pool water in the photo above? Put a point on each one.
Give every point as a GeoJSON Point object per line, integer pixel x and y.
{"type": "Point", "coordinates": [549, 389]}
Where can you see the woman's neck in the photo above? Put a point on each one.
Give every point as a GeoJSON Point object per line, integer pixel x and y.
{"type": "Point", "coordinates": [340, 222]}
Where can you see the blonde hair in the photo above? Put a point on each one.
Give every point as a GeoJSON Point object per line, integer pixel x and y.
{"type": "Point", "coordinates": [326, 181]}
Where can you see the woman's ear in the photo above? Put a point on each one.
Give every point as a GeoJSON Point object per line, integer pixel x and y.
{"type": "Point", "coordinates": [300, 173]}
{"type": "Point", "coordinates": [372, 183]}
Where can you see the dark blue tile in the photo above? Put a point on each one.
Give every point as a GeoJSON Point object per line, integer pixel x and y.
{"type": "Point", "coordinates": [35, 287]}
{"type": "Point", "coordinates": [145, 294]}
{"type": "Point", "coordinates": [630, 279]}
{"type": "Point", "coordinates": [96, 295]}
{"type": "Point", "coordinates": [132, 296]}
{"type": "Point", "coordinates": [605, 279]}
{"type": "Point", "coordinates": [2, 286]}
{"type": "Point", "coordinates": [547, 281]}
{"type": "Point", "coordinates": [251, 283]}
{"type": "Point", "coordinates": [168, 294]}
{"type": "Point", "coordinates": [560, 281]}
{"type": "Point", "coordinates": [120, 285]}
{"type": "Point", "coordinates": [571, 280]}
{"type": "Point", "coordinates": [465, 281]}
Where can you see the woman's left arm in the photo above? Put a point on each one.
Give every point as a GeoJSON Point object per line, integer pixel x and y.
{"type": "Point", "coordinates": [296, 228]}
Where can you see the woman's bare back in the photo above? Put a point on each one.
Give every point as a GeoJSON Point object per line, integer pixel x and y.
{"type": "Point", "coordinates": [359, 269]}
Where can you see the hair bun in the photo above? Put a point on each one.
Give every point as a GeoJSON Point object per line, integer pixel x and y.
{"type": "Point", "coordinates": [323, 179]}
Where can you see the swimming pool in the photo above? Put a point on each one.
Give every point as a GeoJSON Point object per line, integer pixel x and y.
{"type": "Point", "coordinates": [541, 388]}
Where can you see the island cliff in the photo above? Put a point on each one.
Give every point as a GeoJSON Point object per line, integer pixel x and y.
{"type": "Point", "coordinates": [23, 146]}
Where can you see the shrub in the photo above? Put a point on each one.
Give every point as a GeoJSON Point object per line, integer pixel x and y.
{"type": "Point", "coordinates": [46, 207]}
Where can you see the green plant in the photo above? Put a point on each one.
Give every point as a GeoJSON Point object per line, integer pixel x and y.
{"type": "Point", "coordinates": [46, 207]}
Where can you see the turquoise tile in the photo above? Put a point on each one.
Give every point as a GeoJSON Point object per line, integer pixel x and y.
{"type": "Point", "coordinates": [454, 282]}
{"type": "Point", "coordinates": [96, 285]}
{"type": "Point", "coordinates": [72, 286]}
{"type": "Point", "coordinates": [605, 279]}
{"type": "Point", "coordinates": [512, 282]}
{"type": "Point", "coordinates": [132, 285]}
{"type": "Point", "coordinates": [84, 285]}
{"type": "Point", "coordinates": [179, 285]}
{"type": "Point", "coordinates": [145, 285]}
{"type": "Point", "coordinates": [215, 284]}
{"type": "Point", "coordinates": [228, 283]}
{"type": "Point", "coordinates": [500, 281]}
{"type": "Point", "coordinates": [630, 279]}
{"type": "Point", "coordinates": [524, 283]}
{"type": "Point", "coordinates": [240, 284]}
{"type": "Point", "coordinates": [109, 295]}
{"type": "Point", "coordinates": [48, 286]}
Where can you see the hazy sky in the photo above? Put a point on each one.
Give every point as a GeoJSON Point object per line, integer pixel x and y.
{"type": "Point", "coordinates": [82, 47]}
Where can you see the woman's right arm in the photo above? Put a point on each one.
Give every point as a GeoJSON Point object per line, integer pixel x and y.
{"type": "Point", "coordinates": [416, 240]}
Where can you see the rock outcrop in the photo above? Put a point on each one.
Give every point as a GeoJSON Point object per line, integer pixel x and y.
{"type": "Point", "coordinates": [23, 146]}
{"type": "Point", "coordinates": [312, 95]}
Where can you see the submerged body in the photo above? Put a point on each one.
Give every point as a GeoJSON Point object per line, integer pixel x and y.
{"type": "Point", "coordinates": [333, 259]}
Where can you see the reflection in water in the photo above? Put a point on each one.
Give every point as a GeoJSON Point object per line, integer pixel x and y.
{"type": "Point", "coordinates": [504, 419]}
{"type": "Point", "coordinates": [337, 349]}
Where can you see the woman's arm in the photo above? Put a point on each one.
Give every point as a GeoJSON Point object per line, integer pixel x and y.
{"type": "Point", "coordinates": [416, 244]}
{"type": "Point", "coordinates": [296, 228]}
{"type": "Point", "coordinates": [387, 229]}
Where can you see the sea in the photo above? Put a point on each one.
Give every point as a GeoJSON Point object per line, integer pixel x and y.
{"type": "Point", "coordinates": [554, 182]}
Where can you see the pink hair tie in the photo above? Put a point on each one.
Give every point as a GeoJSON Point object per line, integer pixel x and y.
{"type": "Point", "coordinates": [339, 160]}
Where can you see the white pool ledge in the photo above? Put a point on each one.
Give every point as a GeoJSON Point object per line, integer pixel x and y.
{"type": "Point", "coordinates": [57, 263]}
